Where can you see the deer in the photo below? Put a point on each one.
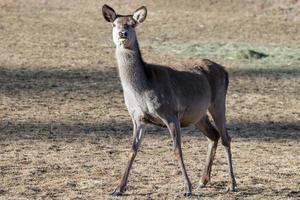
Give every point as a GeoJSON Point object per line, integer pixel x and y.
{"type": "Point", "coordinates": [171, 97]}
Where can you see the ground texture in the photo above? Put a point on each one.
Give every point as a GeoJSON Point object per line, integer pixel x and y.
{"type": "Point", "coordinates": [65, 132]}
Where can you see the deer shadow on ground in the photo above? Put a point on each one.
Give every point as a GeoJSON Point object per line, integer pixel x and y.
{"type": "Point", "coordinates": [45, 83]}
{"type": "Point", "coordinates": [267, 131]}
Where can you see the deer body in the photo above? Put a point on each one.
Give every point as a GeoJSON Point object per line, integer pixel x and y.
{"type": "Point", "coordinates": [153, 91]}
{"type": "Point", "coordinates": [169, 97]}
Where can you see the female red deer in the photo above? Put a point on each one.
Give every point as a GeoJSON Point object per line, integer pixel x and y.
{"type": "Point", "coordinates": [169, 97]}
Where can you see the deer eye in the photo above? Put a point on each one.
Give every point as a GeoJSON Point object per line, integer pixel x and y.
{"type": "Point", "coordinates": [113, 25]}
{"type": "Point", "coordinates": [132, 23]}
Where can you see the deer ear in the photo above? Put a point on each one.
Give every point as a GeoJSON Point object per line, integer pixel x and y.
{"type": "Point", "coordinates": [140, 14]}
{"type": "Point", "coordinates": [108, 13]}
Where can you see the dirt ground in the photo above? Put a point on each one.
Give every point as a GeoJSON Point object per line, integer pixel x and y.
{"type": "Point", "coordinates": [65, 132]}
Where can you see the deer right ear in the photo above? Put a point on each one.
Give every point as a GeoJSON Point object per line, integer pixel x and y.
{"type": "Point", "coordinates": [108, 13]}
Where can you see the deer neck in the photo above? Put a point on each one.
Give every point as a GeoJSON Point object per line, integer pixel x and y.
{"type": "Point", "coordinates": [131, 68]}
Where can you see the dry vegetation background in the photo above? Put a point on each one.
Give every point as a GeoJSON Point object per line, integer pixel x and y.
{"type": "Point", "coordinates": [65, 132]}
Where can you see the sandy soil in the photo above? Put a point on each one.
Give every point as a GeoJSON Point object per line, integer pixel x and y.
{"type": "Point", "coordinates": [65, 132]}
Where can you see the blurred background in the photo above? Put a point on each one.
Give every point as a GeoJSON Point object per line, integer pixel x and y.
{"type": "Point", "coordinates": [64, 128]}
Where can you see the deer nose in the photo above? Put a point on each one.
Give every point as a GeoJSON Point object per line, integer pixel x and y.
{"type": "Point", "coordinates": [123, 34]}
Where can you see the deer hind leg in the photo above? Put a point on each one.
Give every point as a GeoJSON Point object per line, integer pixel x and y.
{"type": "Point", "coordinates": [138, 130]}
{"type": "Point", "coordinates": [212, 136]}
{"type": "Point", "coordinates": [174, 129]}
{"type": "Point", "coordinates": [217, 111]}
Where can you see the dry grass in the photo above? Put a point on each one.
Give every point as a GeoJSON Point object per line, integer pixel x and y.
{"type": "Point", "coordinates": [64, 129]}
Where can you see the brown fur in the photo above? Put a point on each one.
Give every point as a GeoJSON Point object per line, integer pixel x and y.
{"type": "Point", "coordinates": [171, 97]}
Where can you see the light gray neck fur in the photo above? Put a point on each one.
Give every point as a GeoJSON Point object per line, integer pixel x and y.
{"type": "Point", "coordinates": [131, 69]}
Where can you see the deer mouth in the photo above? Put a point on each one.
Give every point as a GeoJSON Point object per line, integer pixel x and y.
{"type": "Point", "coordinates": [123, 42]}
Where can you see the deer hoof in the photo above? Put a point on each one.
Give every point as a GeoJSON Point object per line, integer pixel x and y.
{"type": "Point", "coordinates": [118, 192]}
{"type": "Point", "coordinates": [231, 188]}
{"type": "Point", "coordinates": [204, 180]}
{"type": "Point", "coordinates": [188, 194]}
{"type": "Point", "coordinates": [201, 185]}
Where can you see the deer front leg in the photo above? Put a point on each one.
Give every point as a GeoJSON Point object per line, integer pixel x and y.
{"type": "Point", "coordinates": [138, 129]}
{"type": "Point", "coordinates": [174, 129]}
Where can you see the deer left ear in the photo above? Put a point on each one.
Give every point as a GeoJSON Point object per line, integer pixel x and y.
{"type": "Point", "coordinates": [140, 14]}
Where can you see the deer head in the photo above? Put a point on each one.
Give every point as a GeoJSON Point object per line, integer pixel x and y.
{"type": "Point", "coordinates": [123, 30]}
